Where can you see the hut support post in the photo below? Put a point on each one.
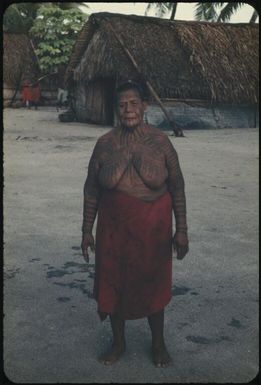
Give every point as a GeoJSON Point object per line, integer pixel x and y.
{"type": "Point", "coordinates": [177, 131]}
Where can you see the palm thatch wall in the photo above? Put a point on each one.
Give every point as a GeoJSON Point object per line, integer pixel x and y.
{"type": "Point", "coordinates": [213, 62]}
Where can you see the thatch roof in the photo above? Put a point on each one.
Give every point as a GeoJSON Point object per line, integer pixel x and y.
{"type": "Point", "coordinates": [19, 59]}
{"type": "Point", "coordinates": [183, 59]}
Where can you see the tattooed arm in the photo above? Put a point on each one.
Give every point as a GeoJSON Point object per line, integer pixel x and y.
{"type": "Point", "coordinates": [90, 203]}
{"type": "Point", "coordinates": [176, 187]}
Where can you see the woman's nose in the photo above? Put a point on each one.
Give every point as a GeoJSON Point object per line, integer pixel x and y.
{"type": "Point", "coordinates": [128, 107]}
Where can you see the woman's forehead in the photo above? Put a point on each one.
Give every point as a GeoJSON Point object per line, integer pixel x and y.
{"type": "Point", "coordinates": [129, 94]}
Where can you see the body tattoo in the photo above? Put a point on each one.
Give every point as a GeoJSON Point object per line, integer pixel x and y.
{"type": "Point", "coordinates": [143, 164]}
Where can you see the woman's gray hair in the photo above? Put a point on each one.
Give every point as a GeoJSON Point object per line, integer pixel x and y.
{"type": "Point", "coordinates": [131, 85]}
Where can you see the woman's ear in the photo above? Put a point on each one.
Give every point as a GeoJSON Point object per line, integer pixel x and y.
{"type": "Point", "coordinates": [145, 105]}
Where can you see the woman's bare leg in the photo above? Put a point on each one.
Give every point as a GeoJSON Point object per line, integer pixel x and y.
{"type": "Point", "coordinates": [160, 354]}
{"type": "Point", "coordinates": [118, 345]}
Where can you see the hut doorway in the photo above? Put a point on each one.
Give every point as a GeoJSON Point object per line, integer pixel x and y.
{"type": "Point", "coordinates": [95, 103]}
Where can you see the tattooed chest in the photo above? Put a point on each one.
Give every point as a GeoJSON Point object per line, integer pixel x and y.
{"type": "Point", "coordinates": [150, 168]}
{"type": "Point", "coordinates": [134, 166]}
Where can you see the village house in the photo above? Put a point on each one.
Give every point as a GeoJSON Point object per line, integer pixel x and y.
{"type": "Point", "coordinates": [20, 63]}
{"type": "Point", "coordinates": [206, 74]}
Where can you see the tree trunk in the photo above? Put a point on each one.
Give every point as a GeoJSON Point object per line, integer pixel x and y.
{"type": "Point", "coordinates": [173, 13]}
{"type": "Point", "coordinates": [253, 17]}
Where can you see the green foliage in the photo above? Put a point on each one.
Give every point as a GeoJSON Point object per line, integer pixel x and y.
{"type": "Point", "coordinates": [54, 32]}
{"type": "Point", "coordinates": [19, 17]}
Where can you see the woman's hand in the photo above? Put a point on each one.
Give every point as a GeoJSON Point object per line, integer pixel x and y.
{"type": "Point", "coordinates": [180, 244]}
{"type": "Point", "coordinates": [87, 241]}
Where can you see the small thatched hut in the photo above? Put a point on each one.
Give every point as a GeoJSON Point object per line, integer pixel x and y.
{"type": "Point", "coordinates": [19, 63]}
{"type": "Point", "coordinates": [206, 74]}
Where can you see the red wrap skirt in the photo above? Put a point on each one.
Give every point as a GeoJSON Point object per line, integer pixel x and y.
{"type": "Point", "coordinates": [133, 262]}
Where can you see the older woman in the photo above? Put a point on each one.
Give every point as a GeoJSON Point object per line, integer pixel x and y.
{"type": "Point", "coordinates": [134, 182]}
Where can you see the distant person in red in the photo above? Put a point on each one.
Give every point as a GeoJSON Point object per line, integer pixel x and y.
{"type": "Point", "coordinates": [31, 94]}
{"type": "Point", "coordinates": [134, 183]}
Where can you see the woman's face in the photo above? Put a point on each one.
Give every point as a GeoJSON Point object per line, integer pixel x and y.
{"type": "Point", "coordinates": [130, 109]}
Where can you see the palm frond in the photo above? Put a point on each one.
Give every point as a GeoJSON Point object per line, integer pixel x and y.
{"type": "Point", "coordinates": [206, 11]}
{"type": "Point", "coordinates": [228, 11]}
{"type": "Point", "coordinates": [148, 8]}
{"type": "Point", "coordinates": [161, 8]}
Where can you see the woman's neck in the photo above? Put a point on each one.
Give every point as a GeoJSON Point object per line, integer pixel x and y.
{"type": "Point", "coordinates": [128, 135]}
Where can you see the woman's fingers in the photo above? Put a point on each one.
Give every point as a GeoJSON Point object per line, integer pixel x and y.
{"type": "Point", "coordinates": [182, 251]}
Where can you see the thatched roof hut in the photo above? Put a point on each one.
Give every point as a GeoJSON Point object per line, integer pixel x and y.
{"type": "Point", "coordinates": [183, 60]}
{"type": "Point", "coordinates": [19, 62]}
{"type": "Point", "coordinates": [19, 59]}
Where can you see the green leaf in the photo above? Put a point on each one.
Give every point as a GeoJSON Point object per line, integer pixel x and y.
{"type": "Point", "coordinates": [52, 29]}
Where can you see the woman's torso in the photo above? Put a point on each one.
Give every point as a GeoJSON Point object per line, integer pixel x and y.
{"type": "Point", "coordinates": [150, 182]}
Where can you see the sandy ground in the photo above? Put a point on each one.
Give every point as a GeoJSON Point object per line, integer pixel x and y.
{"type": "Point", "coordinates": [51, 329]}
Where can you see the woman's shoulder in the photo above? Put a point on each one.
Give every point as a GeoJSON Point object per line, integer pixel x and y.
{"type": "Point", "coordinates": [157, 133]}
{"type": "Point", "coordinates": [108, 137]}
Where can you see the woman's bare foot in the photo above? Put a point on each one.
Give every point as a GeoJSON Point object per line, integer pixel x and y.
{"type": "Point", "coordinates": [113, 354]}
{"type": "Point", "coordinates": [160, 356]}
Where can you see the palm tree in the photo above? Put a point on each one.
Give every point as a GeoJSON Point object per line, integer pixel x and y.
{"type": "Point", "coordinates": [220, 11]}
{"type": "Point", "coordinates": [163, 9]}
{"type": "Point", "coordinates": [254, 17]}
